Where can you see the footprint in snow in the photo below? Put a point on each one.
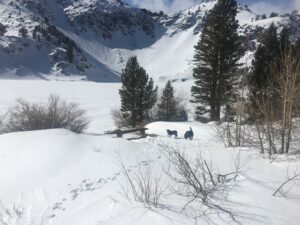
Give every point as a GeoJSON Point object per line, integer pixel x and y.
{"type": "Point", "coordinates": [74, 197]}
{"type": "Point", "coordinates": [89, 184]}
{"type": "Point", "coordinates": [56, 206]}
{"type": "Point", "coordinates": [84, 186]}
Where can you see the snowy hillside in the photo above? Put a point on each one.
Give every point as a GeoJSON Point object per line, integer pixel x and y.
{"type": "Point", "coordinates": [93, 39]}
{"type": "Point", "coordinates": [56, 177]}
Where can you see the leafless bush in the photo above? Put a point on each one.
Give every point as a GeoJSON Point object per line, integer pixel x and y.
{"type": "Point", "coordinates": [197, 181]}
{"type": "Point", "coordinates": [143, 185]}
{"type": "Point", "coordinates": [121, 119]}
{"type": "Point", "coordinates": [287, 185]}
{"type": "Point", "coordinates": [287, 78]}
{"type": "Point", "coordinates": [278, 109]}
{"type": "Point", "coordinates": [10, 216]}
{"type": "Point", "coordinates": [57, 113]}
{"type": "Point", "coordinates": [2, 130]}
{"type": "Point", "coordinates": [232, 134]}
{"type": "Point", "coordinates": [232, 129]}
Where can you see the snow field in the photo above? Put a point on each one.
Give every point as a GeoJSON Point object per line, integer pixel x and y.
{"type": "Point", "coordinates": [56, 177]}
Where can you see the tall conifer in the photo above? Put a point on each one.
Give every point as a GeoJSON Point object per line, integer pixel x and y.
{"type": "Point", "coordinates": [216, 59]}
{"type": "Point", "coordinates": [267, 57]}
{"type": "Point", "coordinates": [167, 107]}
{"type": "Point", "coordinates": [137, 93]}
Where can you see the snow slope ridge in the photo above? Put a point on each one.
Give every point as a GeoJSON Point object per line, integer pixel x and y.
{"type": "Point", "coordinates": [93, 39]}
{"type": "Point", "coordinates": [51, 170]}
{"type": "Point", "coordinates": [57, 177]}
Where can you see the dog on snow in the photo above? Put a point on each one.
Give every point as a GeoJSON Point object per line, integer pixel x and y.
{"type": "Point", "coordinates": [189, 134]}
{"type": "Point", "coordinates": [172, 132]}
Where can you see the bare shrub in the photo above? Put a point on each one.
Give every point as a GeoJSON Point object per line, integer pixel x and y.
{"type": "Point", "coordinates": [197, 182]}
{"type": "Point", "coordinates": [203, 189]}
{"type": "Point", "coordinates": [287, 79]}
{"type": "Point", "coordinates": [2, 129]}
{"type": "Point", "coordinates": [279, 108]}
{"type": "Point", "coordinates": [121, 119]}
{"type": "Point", "coordinates": [287, 185]}
{"type": "Point", "coordinates": [10, 216]}
{"type": "Point", "coordinates": [57, 113]}
{"type": "Point", "coordinates": [143, 185]}
{"type": "Point", "coordinates": [232, 128]}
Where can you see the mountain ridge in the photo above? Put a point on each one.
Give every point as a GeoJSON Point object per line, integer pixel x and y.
{"type": "Point", "coordinates": [79, 39]}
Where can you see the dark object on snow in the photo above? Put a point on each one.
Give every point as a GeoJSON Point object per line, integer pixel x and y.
{"type": "Point", "coordinates": [120, 132]}
{"type": "Point", "coordinates": [172, 132]}
{"type": "Point", "coordinates": [189, 134]}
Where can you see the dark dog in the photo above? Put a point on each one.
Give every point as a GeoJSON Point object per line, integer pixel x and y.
{"type": "Point", "coordinates": [172, 132]}
{"type": "Point", "coordinates": [189, 134]}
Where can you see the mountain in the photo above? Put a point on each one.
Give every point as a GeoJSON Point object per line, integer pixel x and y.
{"type": "Point", "coordinates": [92, 39]}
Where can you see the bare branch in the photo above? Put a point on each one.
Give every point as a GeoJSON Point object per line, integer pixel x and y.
{"type": "Point", "coordinates": [280, 188]}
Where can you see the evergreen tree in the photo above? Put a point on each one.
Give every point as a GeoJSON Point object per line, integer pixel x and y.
{"type": "Point", "coordinates": [170, 108]}
{"type": "Point", "coordinates": [296, 48]}
{"type": "Point", "coordinates": [259, 77]}
{"type": "Point", "coordinates": [2, 29]}
{"type": "Point", "coordinates": [216, 58]}
{"type": "Point", "coordinates": [23, 32]}
{"type": "Point", "coordinates": [273, 14]}
{"type": "Point", "coordinates": [284, 39]}
{"type": "Point", "coordinates": [70, 53]}
{"type": "Point", "coordinates": [167, 107]}
{"type": "Point", "coordinates": [137, 93]}
{"type": "Point", "coordinates": [263, 16]}
{"type": "Point", "coordinates": [266, 58]}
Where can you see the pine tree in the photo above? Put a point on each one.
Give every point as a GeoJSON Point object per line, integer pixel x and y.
{"type": "Point", "coordinates": [170, 107]}
{"type": "Point", "coordinates": [284, 39]}
{"type": "Point", "coordinates": [3, 29]}
{"type": "Point", "coordinates": [70, 53]}
{"type": "Point", "coordinates": [259, 78]}
{"type": "Point", "coordinates": [266, 58]}
{"type": "Point", "coordinates": [216, 59]}
{"type": "Point", "coordinates": [137, 93]}
{"type": "Point", "coordinates": [23, 32]}
{"type": "Point", "coordinates": [167, 108]}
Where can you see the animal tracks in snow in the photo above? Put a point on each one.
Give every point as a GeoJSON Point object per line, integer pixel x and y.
{"type": "Point", "coordinates": [92, 186]}
{"type": "Point", "coordinates": [83, 187]}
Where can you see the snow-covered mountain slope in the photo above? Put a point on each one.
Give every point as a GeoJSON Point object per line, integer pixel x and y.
{"type": "Point", "coordinates": [56, 177]}
{"type": "Point", "coordinates": [93, 39]}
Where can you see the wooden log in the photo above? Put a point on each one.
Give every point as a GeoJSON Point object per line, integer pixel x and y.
{"type": "Point", "coordinates": [120, 132]}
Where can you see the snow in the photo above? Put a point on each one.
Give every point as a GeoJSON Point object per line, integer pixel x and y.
{"type": "Point", "coordinates": [179, 65]}
{"type": "Point", "coordinates": [56, 177]}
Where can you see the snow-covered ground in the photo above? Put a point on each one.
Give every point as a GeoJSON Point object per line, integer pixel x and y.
{"type": "Point", "coordinates": [56, 177]}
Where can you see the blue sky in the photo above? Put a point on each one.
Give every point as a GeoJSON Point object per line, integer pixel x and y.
{"type": "Point", "coordinates": [259, 6]}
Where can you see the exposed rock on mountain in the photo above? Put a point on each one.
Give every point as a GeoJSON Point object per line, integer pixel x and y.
{"type": "Point", "coordinates": [93, 39]}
